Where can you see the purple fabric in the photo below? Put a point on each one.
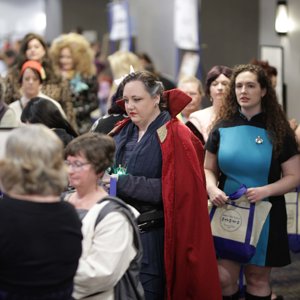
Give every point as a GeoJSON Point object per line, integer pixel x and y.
{"type": "Point", "coordinates": [113, 187]}
{"type": "Point", "coordinates": [294, 239]}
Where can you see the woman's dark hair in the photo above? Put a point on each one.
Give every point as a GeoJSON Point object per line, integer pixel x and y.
{"type": "Point", "coordinates": [270, 70]}
{"type": "Point", "coordinates": [46, 61]}
{"type": "Point", "coordinates": [115, 108]}
{"type": "Point", "coordinates": [213, 74]}
{"type": "Point", "coordinates": [97, 148]}
{"type": "Point", "coordinates": [27, 38]}
{"type": "Point", "coordinates": [43, 111]}
{"type": "Point", "coordinates": [150, 65]}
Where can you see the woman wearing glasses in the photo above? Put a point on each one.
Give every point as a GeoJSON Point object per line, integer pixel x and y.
{"type": "Point", "coordinates": [108, 246]}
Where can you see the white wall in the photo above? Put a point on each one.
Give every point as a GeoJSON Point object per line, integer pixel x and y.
{"type": "Point", "coordinates": [54, 19]}
{"type": "Point", "coordinates": [291, 46]}
{"type": "Point", "coordinates": [18, 17]}
{"type": "Point", "coordinates": [153, 21]}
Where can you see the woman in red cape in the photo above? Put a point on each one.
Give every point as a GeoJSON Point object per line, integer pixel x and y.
{"type": "Point", "coordinates": [189, 264]}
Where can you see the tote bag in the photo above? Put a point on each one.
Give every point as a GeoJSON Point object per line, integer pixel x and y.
{"type": "Point", "coordinates": [236, 226]}
{"type": "Point", "coordinates": [293, 222]}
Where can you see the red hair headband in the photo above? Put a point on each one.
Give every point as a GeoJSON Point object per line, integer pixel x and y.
{"type": "Point", "coordinates": [35, 65]}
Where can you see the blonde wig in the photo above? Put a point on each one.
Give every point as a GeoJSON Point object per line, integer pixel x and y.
{"type": "Point", "coordinates": [33, 163]}
{"type": "Point", "coordinates": [81, 51]}
{"type": "Point", "coordinates": [120, 62]}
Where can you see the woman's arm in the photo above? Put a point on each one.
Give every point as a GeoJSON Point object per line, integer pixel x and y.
{"type": "Point", "coordinates": [140, 188]}
{"type": "Point", "coordinates": [216, 196]}
{"type": "Point", "coordinates": [105, 261]}
{"type": "Point", "coordinates": [290, 180]}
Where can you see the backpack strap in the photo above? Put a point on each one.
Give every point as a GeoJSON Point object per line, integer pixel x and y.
{"type": "Point", "coordinates": [3, 110]}
{"type": "Point", "coordinates": [116, 204]}
{"type": "Point", "coordinates": [129, 285]}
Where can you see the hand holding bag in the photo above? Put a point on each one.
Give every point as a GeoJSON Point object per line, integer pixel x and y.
{"type": "Point", "coordinates": [236, 226]}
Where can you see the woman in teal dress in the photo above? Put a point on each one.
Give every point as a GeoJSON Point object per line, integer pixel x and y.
{"type": "Point", "coordinates": [252, 144]}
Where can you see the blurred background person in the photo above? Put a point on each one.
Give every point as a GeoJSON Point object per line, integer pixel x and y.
{"type": "Point", "coordinates": [271, 71]}
{"type": "Point", "coordinates": [120, 63]}
{"type": "Point", "coordinates": [8, 117]}
{"type": "Point", "coordinates": [192, 86]}
{"type": "Point", "coordinates": [217, 81]}
{"type": "Point", "coordinates": [31, 78]}
{"type": "Point", "coordinates": [42, 111]}
{"type": "Point", "coordinates": [148, 65]}
{"type": "Point", "coordinates": [109, 248]}
{"type": "Point", "coordinates": [73, 59]}
{"type": "Point", "coordinates": [9, 58]}
{"type": "Point", "coordinates": [33, 47]}
{"type": "Point", "coordinates": [114, 115]}
{"type": "Point", "coordinates": [40, 234]}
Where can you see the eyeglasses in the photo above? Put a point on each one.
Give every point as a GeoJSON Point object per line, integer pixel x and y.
{"type": "Point", "coordinates": [76, 165]}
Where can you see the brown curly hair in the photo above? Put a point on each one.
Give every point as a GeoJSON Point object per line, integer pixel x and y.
{"type": "Point", "coordinates": [277, 125]}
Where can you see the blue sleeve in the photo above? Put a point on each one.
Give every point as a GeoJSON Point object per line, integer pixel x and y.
{"type": "Point", "coordinates": [139, 188]}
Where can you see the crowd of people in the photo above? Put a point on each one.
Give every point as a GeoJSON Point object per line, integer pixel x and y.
{"type": "Point", "coordinates": [116, 206]}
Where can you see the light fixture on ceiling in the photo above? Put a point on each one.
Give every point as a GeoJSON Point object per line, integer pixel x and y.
{"type": "Point", "coordinates": [282, 18]}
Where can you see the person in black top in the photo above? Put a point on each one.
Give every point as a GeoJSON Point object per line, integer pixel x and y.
{"type": "Point", "coordinates": [40, 235]}
{"type": "Point", "coordinates": [114, 115]}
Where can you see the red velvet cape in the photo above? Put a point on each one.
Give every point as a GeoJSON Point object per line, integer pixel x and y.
{"type": "Point", "coordinates": [189, 254]}
{"type": "Point", "coordinates": [190, 259]}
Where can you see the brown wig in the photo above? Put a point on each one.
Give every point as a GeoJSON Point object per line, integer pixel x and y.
{"type": "Point", "coordinates": [213, 74]}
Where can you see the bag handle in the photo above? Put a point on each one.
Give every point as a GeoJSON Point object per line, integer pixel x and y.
{"type": "Point", "coordinates": [234, 196]}
{"type": "Point", "coordinates": [238, 193]}
{"type": "Point", "coordinates": [297, 209]}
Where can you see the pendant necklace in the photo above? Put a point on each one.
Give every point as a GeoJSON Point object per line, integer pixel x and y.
{"type": "Point", "coordinates": [259, 140]}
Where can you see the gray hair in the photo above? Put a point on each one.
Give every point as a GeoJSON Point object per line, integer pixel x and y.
{"type": "Point", "coordinates": [33, 162]}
